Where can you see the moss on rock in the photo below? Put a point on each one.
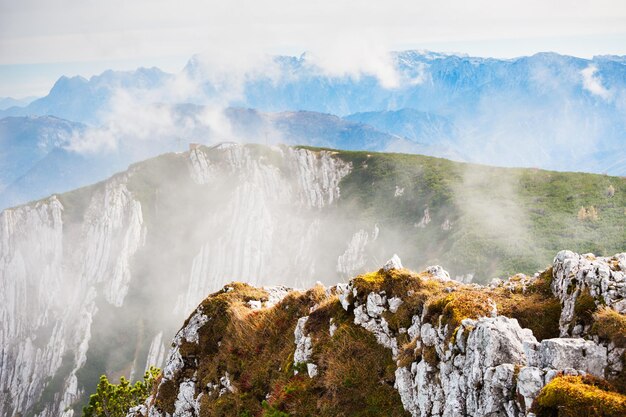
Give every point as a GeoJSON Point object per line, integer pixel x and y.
{"type": "Point", "coordinates": [577, 396]}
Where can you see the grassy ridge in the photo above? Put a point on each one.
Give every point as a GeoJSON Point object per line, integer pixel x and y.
{"type": "Point", "coordinates": [503, 220]}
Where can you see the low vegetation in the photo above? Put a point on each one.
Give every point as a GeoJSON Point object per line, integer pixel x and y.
{"type": "Point", "coordinates": [255, 349]}
{"type": "Point", "coordinates": [244, 364]}
{"type": "Point", "coordinates": [579, 396]}
{"type": "Point", "coordinates": [114, 400]}
{"type": "Point", "coordinates": [610, 326]}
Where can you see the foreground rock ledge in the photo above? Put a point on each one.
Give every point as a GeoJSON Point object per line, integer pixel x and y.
{"type": "Point", "coordinates": [394, 343]}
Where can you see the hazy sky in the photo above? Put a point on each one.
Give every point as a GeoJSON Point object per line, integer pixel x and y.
{"type": "Point", "coordinates": [43, 39]}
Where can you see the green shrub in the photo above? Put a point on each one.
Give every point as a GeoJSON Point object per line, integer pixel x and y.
{"type": "Point", "coordinates": [114, 400]}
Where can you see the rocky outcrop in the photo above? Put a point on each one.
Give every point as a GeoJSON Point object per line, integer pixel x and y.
{"type": "Point", "coordinates": [456, 351]}
{"type": "Point", "coordinates": [229, 212]}
{"type": "Point", "coordinates": [98, 280]}
{"type": "Point", "coordinates": [46, 335]}
{"type": "Point", "coordinates": [601, 280]}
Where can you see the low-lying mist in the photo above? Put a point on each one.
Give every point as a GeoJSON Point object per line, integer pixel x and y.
{"type": "Point", "coordinates": [111, 270]}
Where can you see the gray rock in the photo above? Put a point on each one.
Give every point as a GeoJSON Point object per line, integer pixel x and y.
{"type": "Point", "coordinates": [394, 304]}
{"type": "Point", "coordinates": [438, 272]}
{"type": "Point", "coordinates": [530, 381]}
{"type": "Point", "coordinates": [393, 263]}
{"type": "Point", "coordinates": [332, 327]}
{"type": "Point", "coordinates": [620, 306]}
{"type": "Point", "coordinates": [185, 404]}
{"type": "Point", "coordinates": [375, 304]}
{"type": "Point", "coordinates": [574, 274]}
{"type": "Point", "coordinates": [576, 353]}
{"type": "Point", "coordinates": [531, 350]}
{"type": "Point", "coordinates": [304, 349]}
{"type": "Point", "coordinates": [428, 335]}
{"type": "Point", "coordinates": [405, 387]}
{"type": "Point", "coordinates": [497, 340]}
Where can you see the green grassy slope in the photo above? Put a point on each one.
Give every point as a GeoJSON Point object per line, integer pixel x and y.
{"type": "Point", "coordinates": [503, 221]}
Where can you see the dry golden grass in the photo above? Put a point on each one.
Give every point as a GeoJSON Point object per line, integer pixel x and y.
{"type": "Point", "coordinates": [610, 326]}
{"type": "Point", "coordinates": [355, 373]}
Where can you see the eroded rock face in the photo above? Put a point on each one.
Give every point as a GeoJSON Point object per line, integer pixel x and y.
{"type": "Point", "coordinates": [66, 258]}
{"type": "Point", "coordinates": [303, 352]}
{"type": "Point", "coordinates": [494, 367]}
{"type": "Point", "coordinates": [484, 366]}
{"type": "Point", "coordinates": [471, 378]}
{"type": "Point", "coordinates": [47, 332]}
{"type": "Point", "coordinates": [574, 353]}
{"type": "Point", "coordinates": [576, 276]}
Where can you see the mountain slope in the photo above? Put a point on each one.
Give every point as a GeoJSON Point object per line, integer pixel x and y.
{"type": "Point", "coordinates": [311, 129]}
{"type": "Point", "coordinates": [35, 160]}
{"type": "Point", "coordinates": [40, 154]}
{"type": "Point", "coordinates": [7, 102]}
{"type": "Point", "coordinates": [396, 343]}
{"type": "Point", "coordinates": [408, 123]}
{"type": "Point", "coordinates": [24, 141]}
{"type": "Point", "coordinates": [97, 280]}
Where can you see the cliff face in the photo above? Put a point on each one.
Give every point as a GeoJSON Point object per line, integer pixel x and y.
{"type": "Point", "coordinates": [51, 276]}
{"type": "Point", "coordinates": [69, 264]}
{"type": "Point", "coordinates": [98, 280]}
{"type": "Point", "coordinates": [398, 343]}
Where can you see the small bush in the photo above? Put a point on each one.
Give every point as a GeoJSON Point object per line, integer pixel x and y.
{"type": "Point", "coordinates": [114, 400]}
{"type": "Point", "coordinates": [584, 307]}
{"type": "Point", "coordinates": [610, 325]}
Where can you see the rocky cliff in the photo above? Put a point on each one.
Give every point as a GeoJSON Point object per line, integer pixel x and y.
{"type": "Point", "coordinates": [98, 280]}
{"type": "Point", "coordinates": [68, 264]}
{"type": "Point", "coordinates": [394, 342]}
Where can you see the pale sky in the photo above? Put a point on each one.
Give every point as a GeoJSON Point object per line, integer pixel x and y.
{"type": "Point", "coordinates": [43, 39]}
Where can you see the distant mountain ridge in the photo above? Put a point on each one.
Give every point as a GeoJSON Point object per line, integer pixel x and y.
{"type": "Point", "coordinates": [547, 110]}
{"type": "Point", "coordinates": [79, 99]}
{"type": "Point", "coordinates": [438, 83]}
{"type": "Point", "coordinates": [37, 158]}
{"type": "Point", "coordinates": [24, 141]}
{"type": "Point", "coordinates": [7, 102]}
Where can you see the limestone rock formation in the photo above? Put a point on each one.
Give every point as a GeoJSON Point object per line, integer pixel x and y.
{"type": "Point", "coordinates": [455, 349]}
{"type": "Point", "coordinates": [99, 279]}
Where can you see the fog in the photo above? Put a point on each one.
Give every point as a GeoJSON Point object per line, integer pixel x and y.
{"type": "Point", "coordinates": [117, 267]}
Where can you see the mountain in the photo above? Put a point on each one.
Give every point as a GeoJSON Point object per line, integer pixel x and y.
{"type": "Point", "coordinates": [78, 99]}
{"type": "Point", "coordinates": [6, 102]}
{"type": "Point", "coordinates": [426, 133]}
{"type": "Point", "coordinates": [397, 343]}
{"type": "Point", "coordinates": [40, 154]}
{"type": "Point", "coordinates": [312, 129]}
{"type": "Point", "coordinates": [97, 280]}
{"type": "Point", "coordinates": [547, 110]}
{"type": "Point", "coordinates": [24, 141]}
{"type": "Point", "coordinates": [35, 159]}
{"type": "Point", "coordinates": [414, 125]}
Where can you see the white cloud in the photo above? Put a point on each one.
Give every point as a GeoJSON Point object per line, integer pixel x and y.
{"type": "Point", "coordinates": [355, 56]}
{"type": "Point", "coordinates": [345, 37]}
{"type": "Point", "coordinates": [593, 84]}
{"type": "Point", "coordinates": [32, 31]}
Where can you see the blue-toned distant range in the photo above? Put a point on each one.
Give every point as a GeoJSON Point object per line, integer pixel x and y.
{"type": "Point", "coordinates": [549, 111]}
